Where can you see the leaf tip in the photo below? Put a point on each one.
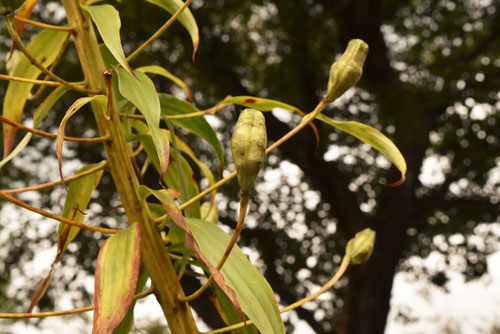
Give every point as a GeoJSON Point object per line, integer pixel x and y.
{"type": "Point", "coordinates": [397, 183]}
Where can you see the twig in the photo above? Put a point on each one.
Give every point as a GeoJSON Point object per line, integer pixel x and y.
{"type": "Point", "coordinates": [68, 312]}
{"type": "Point", "coordinates": [54, 183]}
{"type": "Point", "coordinates": [158, 32]}
{"type": "Point", "coordinates": [43, 25]}
{"type": "Point", "coordinates": [56, 217]}
{"type": "Point", "coordinates": [52, 136]}
{"type": "Point", "coordinates": [32, 81]}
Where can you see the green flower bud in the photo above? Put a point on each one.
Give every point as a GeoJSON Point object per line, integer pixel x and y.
{"type": "Point", "coordinates": [8, 6]}
{"type": "Point", "coordinates": [248, 145]}
{"type": "Point", "coordinates": [360, 247]}
{"type": "Point", "coordinates": [347, 70]}
{"type": "Point", "coordinates": [209, 213]}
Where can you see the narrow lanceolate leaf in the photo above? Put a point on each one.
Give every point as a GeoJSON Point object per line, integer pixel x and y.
{"type": "Point", "coordinates": [374, 138]}
{"type": "Point", "coordinates": [142, 93]}
{"type": "Point", "coordinates": [155, 69]}
{"type": "Point", "coordinates": [77, 200]}
{"type": "Point", "coordinates": [25, 12]}
{"type": "Point", "coordinates": [38, 117]}
{"type": "Point", "coordinates": [170, 105]}
{"type": "Point", "coordinates": [107, 20]}
{"type": "Point", "coordinates": [70, 112]}
{"type": "Point", "coordinates": [40, 290]}
{"type": "Point", "coordinates": [254, 293]}
{"type": "Point", "coordinates": [186, 18]}
{"type": "Point", "coordinates": [167, 200]}
{"type": "Point", "coordinates": [116, 274]}
{"type": "Point", "coordinates": [44, 47]}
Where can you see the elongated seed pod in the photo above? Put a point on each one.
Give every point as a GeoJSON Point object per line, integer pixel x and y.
{"type": "Point", "coordinates": [360, 247]}
{"type": "Point", "coordinates": [8, 6]}
{"type": "Point", "coordinates": [347, 70]}
{"type": "Point", "coordinates": [248, 145]}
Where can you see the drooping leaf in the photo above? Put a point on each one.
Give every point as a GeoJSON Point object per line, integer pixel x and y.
{"type": "Point", "coordinates": [155, 69]}
{"type": "Point", "coordinates": [116, 275]}
{"type": "Point", "coordinates": [170, 105]}
{"type": "Point", "coordinates": [186, 18]}
{"type": "Point", "coordinates": [126, 325]}
{"type": "Point", "coordinates": [38, 117]}
{"type": "Point", "coordinates": [44, 47]}
{"type": "Point", "coordinates": [228, 313]}
{"type": "Point", "coordinates": [374, 138]}
{"type": "Point", "coordinates": [101, 99]}
{"type": "Point", "coordinates": [254, 293]}
{"type": "Point", "coordinates": [77, 200]}
{"type": "Point", "coordinates": [40, 290]}
{"type": "Point", "coordinates": [107, 20]}
{"type": "Point", "coordinates": [142, 93]}
{"type": "Point", "coordinates": [25, 12]}
{"type": "Point", "coordinates": [166, 198]}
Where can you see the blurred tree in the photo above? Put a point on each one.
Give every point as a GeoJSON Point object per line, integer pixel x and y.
{"type": "Point", "coordinates": [431, 83]}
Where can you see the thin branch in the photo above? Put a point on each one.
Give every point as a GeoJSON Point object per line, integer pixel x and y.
{"type": "Point", "coordinates": [158, 32]}
{"type": "Point", "coordinates": [56, 217]}
{"type": "Point", "coordinates": [43, 25]}
{"type": "Point", "coordinates": [54, 183]}
{"type": "Point", "coordinates": [101, 139]}
{"type": "Point", "coordinates": [13, 33]}
{"type": "Point", "coordinates": [68, 312]}
{"type": "Point", "coordinates": [32, 81]}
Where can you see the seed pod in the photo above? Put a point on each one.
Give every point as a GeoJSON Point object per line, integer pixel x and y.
{"type": "Point", "coordinates": [347, 70]}
{"type": "Point", "coordinates": [360, 247]}
{"type": "Point", "coordinates": [8, 6]}
{"type": "Point", "coordinates": [248, 145]}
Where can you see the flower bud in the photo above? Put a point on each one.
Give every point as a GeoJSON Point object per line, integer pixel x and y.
{"type": "Point", "coordinates": [360, 247]}
{"type": "Point", "coordinates": [209, 212]}
{"type": "Point", "coordinates": [8, 6]}
{"type": "Point", "coordinates": [248, 145]}
{"type": "Point", "coordinates": [347, 70]}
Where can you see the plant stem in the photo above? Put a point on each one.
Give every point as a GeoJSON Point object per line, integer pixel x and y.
{"type": "Point", "coordinates": [56, 217]}
{"type": "Point", "coordinates": [153, 253]}
{"type": "Point", "coordinates": [51, 184]}
{"type": "Point", "coordinates": [140, 295]}
{"type": "Point", "coordinates": [343, 266]}
{"type": "Point", "coordinates": [32, 81]}
{"type": "Point", "coordinates": [43, 25]}
{"type": "Point", "coordinates": [237, 231]}
{"type": "Point", "coordinates": [158, 32]}
{"type": "Point", "coordinates": [52, 136]}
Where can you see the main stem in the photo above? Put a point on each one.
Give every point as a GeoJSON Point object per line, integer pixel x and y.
{"type": "Point", "coordinates": [153, 252]}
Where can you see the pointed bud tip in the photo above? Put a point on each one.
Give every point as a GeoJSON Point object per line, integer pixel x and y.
{"type": "Point", "coordinates": [360, 247]}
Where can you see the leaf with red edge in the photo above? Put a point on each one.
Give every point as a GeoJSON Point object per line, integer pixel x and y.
{"type": "Point", "coordinates": [70, 112]}
{"type": "Point", "coordinates": [40, 290]}
{"type": "Point", "coordinates": [166, 198]}
{"type": "Point", "coordinates": [44, 47]}
{"type": "Point", "coordinates": [116, 274]}
{"type": "Point", "coordinates": [25, 12]}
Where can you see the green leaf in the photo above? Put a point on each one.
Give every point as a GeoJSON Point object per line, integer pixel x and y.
{"type": "Point", "coordinates": [116, 275]}
{"type": "Point", "coordinates": [186, 18]}
{"type": "Point", "coordinates": [107, 20]}
{"type": "Point", "coordinates": [44, 47]}
{"type": "Point", "coordinates": [259, 103]}
{"type": "Point", "coordinates": [38, 117]}
{"type": "Point", "coordinates": [126, 325]}
{"type": "Point", "coordinates": [254, 293]}
{"type": "Point", "coordinates": [77, 200]}
{"type": "Point", "coordinates": [142, 93]}
{"type": "Point", "coordinates": [155, 69]}
{"type": "Point", "coordinates": [170, 105]}
{"type": "Point", "coordinates": [228, 313]}
{"type": "Point", "coordinates": [374, 138]}
{"type": "Point", "coordinates": [101, 99]}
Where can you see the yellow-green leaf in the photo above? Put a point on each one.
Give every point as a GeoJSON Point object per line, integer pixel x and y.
{"type": "Point", "coordinates": [44, 47]}
{"type": "Point", "coordinates": [155, 69]}
{"type": "Point", "coordinates": [77, 200]}
{"type": "Point", "coordinates": [142, 93]}
{"type": "Point", "coordinates": [186, 18]}
{"type": "Point", "coordinates": [116, 274]}
{"type": "Point", "coordinates": [374, 138]}
{"type": "Point", "coordinates": [107, 20]}
{"type": "Point", "coordinates": [254, 292]}
{"type": "Point", "coordinates": [101, 99]}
